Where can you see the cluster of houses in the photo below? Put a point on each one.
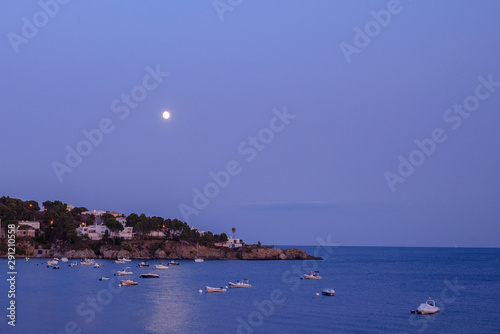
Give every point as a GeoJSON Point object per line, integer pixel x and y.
{"type": "Point", "coordinates": [98, 229]}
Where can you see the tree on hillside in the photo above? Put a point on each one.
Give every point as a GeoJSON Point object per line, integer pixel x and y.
{"type": "Point", "coordinates": [106, 216]}
{"type": "Point", "coordinates": [142, 228]}
{"type": "Point", "coordinates": [90, 220]}
{"type": "Point", "coordinates": [114, 226]}
{"type": "Point", "coordinates": [133, 219]}
{"type": "Point", "coordinates": [77, 211]}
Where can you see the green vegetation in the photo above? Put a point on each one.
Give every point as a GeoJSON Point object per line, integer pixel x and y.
{"type": "Point", "coordinates": [59, 224]}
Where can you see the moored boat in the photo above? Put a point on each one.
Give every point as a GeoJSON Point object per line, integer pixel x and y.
{"type": "Point", "coordinates": [87, 262]}
{"type": "Point", "coordinates": [312, 275]}
{"type": "Point", "coordinates": [127, 282]}
{"type": "Point", "coordinates": [124, 272]}
{"type": "Point", "coordinates": [210, 289]}
{"type": "Point", "coordinates": [150, 275]}
{"type": "Point", "coordinates": [243, 284]}
{"type": "Point", "coordinates": [328, 292]}
{"type": "Point", "coordinates": [173, 263]}
{"type": "Point", "coordinates": [161, 266]}
{"type": "Point", "coordinates": [104, 278]}
{"type": "Point", "coordinates": [143, 264]}
{"type": "Point", "coordinates": [73, 264]}
{"type": "Point", "coordinates": [198, 259]}
{"type": "Point", "coordinates": [64, 259]}
{"type": "Point", "coordinates": [429, 307]}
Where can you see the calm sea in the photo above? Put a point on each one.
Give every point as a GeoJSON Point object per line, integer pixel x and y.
{"type": "Point", "coordinates": [376, 288]}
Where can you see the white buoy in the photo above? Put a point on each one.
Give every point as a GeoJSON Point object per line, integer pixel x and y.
{"type": "Point", "coordinates": [200, 291]}
{"type": "Point", "coordinates": [119, 285]}
{"type": "Point", "coordinates": [317, 293]}
{"type": "Point", "coordinates": [227, 287]}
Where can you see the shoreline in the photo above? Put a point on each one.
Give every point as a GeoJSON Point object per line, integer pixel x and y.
{"type": "Point", "coordinates": [157, 250]}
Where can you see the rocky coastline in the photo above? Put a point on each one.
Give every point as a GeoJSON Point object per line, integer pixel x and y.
{"type": "Point", "coordinates": [163, 250]}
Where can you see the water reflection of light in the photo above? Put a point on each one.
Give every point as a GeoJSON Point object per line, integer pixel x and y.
{"type": "Point", "coordinates": [170, 301]}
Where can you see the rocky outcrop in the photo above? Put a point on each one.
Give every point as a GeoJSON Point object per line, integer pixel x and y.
{"type": "Point", "coordinates": [155, 249]}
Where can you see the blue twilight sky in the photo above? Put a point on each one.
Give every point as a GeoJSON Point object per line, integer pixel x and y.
{"type": "Point", "coordinates": [353, 94]}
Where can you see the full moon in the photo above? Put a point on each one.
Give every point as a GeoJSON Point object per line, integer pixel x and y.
{"type": "Point", "coordinates": [166, 115]}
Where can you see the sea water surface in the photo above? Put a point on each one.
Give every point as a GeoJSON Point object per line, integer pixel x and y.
{"type": "Point", "coordinates": [376, 288]}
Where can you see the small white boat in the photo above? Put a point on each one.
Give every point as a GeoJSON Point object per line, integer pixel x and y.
{"type": "Point", "coordinates": [312, 275]}
{"type": "Point", "coordinates": [143, 264]}
{"type": "Point", "coordinates": [126, 259]}
{"type": "Point", "coordinates": [52, 262]}
{"type": "Point", "coordinates": [243, 284]}
{"type": "Point", "coordinates": [150, 275]}
{"type": "Point", "coordinates": [127, 282]}
{"type": "Point", "coordinates": [97, 265]}
{"type": "Point", "coordinates": [328, 292]}
{"type": "Point", "coordinates": [27, 258]}
{"type": "Point", "coordinates": [210, 289]}
{"type": "Point", "coordinates": [428, 307]}
{"type": "Point", "coordinates": [120, 261]}
{"type": "Point", "coordinates": [197, 258]}
{"type": "Point", "coordinates": [173, 263]}
{"type": "Point", "coordinates": [64, 259]}
{"type": "Point", "coordinates": [87, 262]}
{"type": "Point", "coordinates": [104, 279]}
{"type": "Point", "coordinates": [124, 272]}
{"type": "Point", "coordinates": [73, 264]}
{"type": "Point", "coordinates": [161, 266]}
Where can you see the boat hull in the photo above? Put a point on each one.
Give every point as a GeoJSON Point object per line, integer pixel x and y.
{"type": "Point", "coordinates": [312, 277]}
{"type": "Point", "coordinates": [328, 292]}
{"type": "Point", "coordinates": [150, 276]}
{"type": "Point", "coordinates": [213, 290]}
{"type": "Point", "coordinates": [160, 266]}
{"type": "Point", "coordinates": [128, 283]}
{"type": "Point", "coordinates": [237, 285]}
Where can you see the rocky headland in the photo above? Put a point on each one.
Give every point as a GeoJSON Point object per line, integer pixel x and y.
{"type": "Point", "coordinates": [168, 250]}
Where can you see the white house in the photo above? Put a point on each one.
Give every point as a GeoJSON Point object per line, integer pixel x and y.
{"type": "Point", "coordinates": [95, 232]}
{"type": "Point", "coordinates": [230, 243]}
{"type": "Point", "coordinates": [96, 213]}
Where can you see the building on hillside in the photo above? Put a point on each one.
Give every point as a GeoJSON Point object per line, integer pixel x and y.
{"type": "Point", "coordinates": [69, 207]}
{"type": "Point", "coordinates": [157, 234]}
{"type": "Point", "coordinates": [25, 233]}
{"type": "Point", "coordinates": [200, 232]}
{"type": "Point", "coordinates": [122, 220]}
{"type": "Point", "coordinates": [116, 214]}
{"type": "Point", "coordinates": [34, 224]}
{"type": "Point", "coordinates": [40, 252]}
{"type": "Point", "coordinates": [96, 213]}
{"type": "Point", "coordinates": [30, 232]}
{"type": "Point", "coordinates": [94, 232]}
{"type": "Point", "coordinates": [230, 243]}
